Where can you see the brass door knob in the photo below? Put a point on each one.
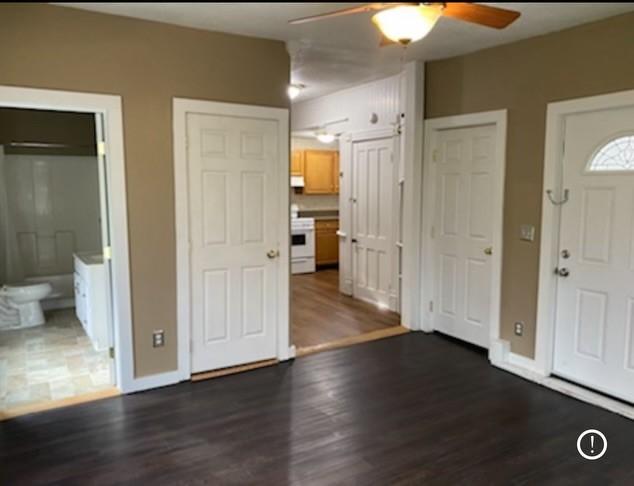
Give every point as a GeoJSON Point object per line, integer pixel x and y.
{"type": "Point", "coordinates": [273, 254]}
{"type": "Point", "coordinates": [488, 250]}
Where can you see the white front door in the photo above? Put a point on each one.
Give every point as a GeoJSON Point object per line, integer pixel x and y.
{"type": "Point", "coordinates": [465, 178]}
{"type": "Point", "coordinates": [233, 166]}
{"type": "Point", "coordinates": [373, 221]}
{"type": "Point", "coordinates": [594, 337]}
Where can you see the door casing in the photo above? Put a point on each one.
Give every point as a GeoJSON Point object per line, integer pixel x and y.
{"type": "Point", "coordinates": [181, 107]}
{"type": "Point", "coordinates": [432, 127]}
{"type": "Point", "coordinates": [551, 216]}
{"type": "Point", "coordinates": [108, 107]}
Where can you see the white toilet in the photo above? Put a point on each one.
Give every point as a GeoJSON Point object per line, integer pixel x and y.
{"type": "Point", "coordinates": [20, 305]}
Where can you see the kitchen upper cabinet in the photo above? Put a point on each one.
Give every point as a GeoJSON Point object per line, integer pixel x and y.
{"type": "Point", "coordinates": [297, 163]}
{"type": "Point", "coordinates": [326, 242]}
{"type": "Point", "coordinates": [321, 172]}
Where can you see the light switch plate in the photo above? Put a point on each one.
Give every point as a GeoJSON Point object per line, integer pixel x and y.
{"type": "Point", "coordinates": [527, 232]}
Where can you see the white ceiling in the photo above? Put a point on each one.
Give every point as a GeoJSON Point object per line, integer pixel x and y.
{"type": "Point", "coordinates": [335, 53]}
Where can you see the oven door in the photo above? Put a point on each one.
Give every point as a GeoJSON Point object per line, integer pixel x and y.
{"type": "Point", "coordinates": [301, 244]}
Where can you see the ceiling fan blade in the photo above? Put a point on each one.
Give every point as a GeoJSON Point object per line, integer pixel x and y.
{"type": "Point", "coordinates": [495, 17]}
{"type": "Point", "coordinates": [370, 7]}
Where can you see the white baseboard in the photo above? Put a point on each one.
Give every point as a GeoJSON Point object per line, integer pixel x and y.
{"type": "Point", "coordinates": [501, 357]}
{"type": "Point", "coordinates": [152, 381]}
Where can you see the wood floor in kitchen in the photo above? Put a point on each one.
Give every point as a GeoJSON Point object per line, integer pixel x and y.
{"type": "Point", "coordinates": [321, 314]}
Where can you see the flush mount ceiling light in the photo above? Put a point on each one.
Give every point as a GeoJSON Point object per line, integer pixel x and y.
{"type": "Point", "coordinates": [294, 90]}
{"type": "Point", "coordinates": [406, 24]}
{"type": "Point", "coordinates": [325, 137]}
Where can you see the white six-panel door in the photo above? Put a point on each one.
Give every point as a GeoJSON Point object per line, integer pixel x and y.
{"type": "Point", "coordinates": [462, 232]}
{"type": "Point", "coordinates": [594, 332]}
{"type": "Point", "coordinates": [234, 223]}
{"type": "Point", "coordinates": [373, 221]}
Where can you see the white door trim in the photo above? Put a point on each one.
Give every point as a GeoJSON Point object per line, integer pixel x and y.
{"type": "Point", "coordinates": [110, 107]}
{"type": "Point", "coordinates": [412, 128]}
{"type": "Point", "coordinates": [549, 246]}
{"type": "Point", "coordinates": [181, 107]}
{"type": "Point", "coordinates": [432, 127]}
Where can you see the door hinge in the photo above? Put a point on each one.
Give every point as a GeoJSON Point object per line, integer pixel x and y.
{"type": "Point", "coordinates": [101, 149]}
{"type": "Point", "coordinates": [431, 306]}
{"type": "Point", "coordinates": [107, 253]}
{"type": "Point", "coordinates": [435, 155]}
{"type": "Point", "coordinates": [111, 352]}
{"type": "Point", "coordinates": [433, 232]}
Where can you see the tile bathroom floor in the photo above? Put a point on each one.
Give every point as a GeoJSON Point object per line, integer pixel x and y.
{"type": "Point", "coordinates": [50, 362]}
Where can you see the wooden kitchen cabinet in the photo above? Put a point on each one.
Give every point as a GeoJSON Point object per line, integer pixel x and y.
{"type": "Point", "coordinates": [321, 172]}
{"type": "Point", "coordinates": [326, 242]}
{"type": "Point", "coordinates": [297, 163]}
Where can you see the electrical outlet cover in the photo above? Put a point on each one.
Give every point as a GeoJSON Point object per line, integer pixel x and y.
{"type": "Point", "coordinates": [527, 232]}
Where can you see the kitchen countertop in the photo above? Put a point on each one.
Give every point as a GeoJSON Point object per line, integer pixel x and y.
{"type": "Point", "coordinates": [318, 214]}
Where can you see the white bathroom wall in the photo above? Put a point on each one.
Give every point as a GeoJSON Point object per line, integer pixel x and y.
{"type": "Point", "coordinates": [54, 201]}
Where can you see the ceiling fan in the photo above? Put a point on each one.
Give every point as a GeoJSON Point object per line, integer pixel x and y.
{"type": "Point", "coordinates": [405, 23]}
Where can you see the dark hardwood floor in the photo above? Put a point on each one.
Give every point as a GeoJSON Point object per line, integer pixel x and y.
{"type": "Point", "coordinates": [413, 409]}
{"type": "Point", "coordinates": [321, 314]}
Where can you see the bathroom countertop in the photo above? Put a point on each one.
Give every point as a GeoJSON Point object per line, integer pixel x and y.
{"type": "Point", "coordinates": [90, 258]}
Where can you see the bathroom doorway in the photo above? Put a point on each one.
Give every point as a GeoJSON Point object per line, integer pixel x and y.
{"type": "Point", "coordinates": [59, 318]}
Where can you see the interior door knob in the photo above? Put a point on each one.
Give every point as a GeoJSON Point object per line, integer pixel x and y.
{"type": "Point", "coordinates": [488, 251]}
{"type": "Point", "coordinates": [273, 254]}
{"type": "Point", "coordinates": [562, 272]}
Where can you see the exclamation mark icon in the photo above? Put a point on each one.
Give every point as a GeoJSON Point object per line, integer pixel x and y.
{"type": "Point", "coordinates": [592, 444]}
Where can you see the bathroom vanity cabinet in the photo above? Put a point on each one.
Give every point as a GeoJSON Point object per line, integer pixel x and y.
{"type": "Point", "coordinates": [90, 298]}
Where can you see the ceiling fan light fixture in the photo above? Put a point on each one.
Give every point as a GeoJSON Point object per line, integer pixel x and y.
{"type": "Point", "coordinates": [406, 24]}
{"type": "Point", "coordinates": [294, 89]}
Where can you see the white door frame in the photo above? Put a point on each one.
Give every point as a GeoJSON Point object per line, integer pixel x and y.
{"type": "Point", "coordinates": [432, 127]}
{"type": "Point", "coordinates": [550, 226]}
{"type": "Point", "coordinates": [181, 107]}
{"type": "Point", "coordinates": [110, 107]}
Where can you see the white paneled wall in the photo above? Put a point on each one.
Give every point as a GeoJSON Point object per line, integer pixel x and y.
{"type": "Point", "coordinates": [357, 104]}
{"type": "Point", "coordinates": [54, 201]}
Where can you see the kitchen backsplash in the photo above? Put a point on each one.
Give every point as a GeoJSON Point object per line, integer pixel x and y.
{"type": "Point", "coordinates": [314, 202]}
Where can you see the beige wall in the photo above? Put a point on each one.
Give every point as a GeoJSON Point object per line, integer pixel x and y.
{"type": "Point", "coordinates": [524, 77]}
{"type": "Point", "coordinates": [147, 64]}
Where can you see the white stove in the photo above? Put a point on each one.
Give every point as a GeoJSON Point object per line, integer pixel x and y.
{"type": "Point", "coordinates": [302, 245]}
